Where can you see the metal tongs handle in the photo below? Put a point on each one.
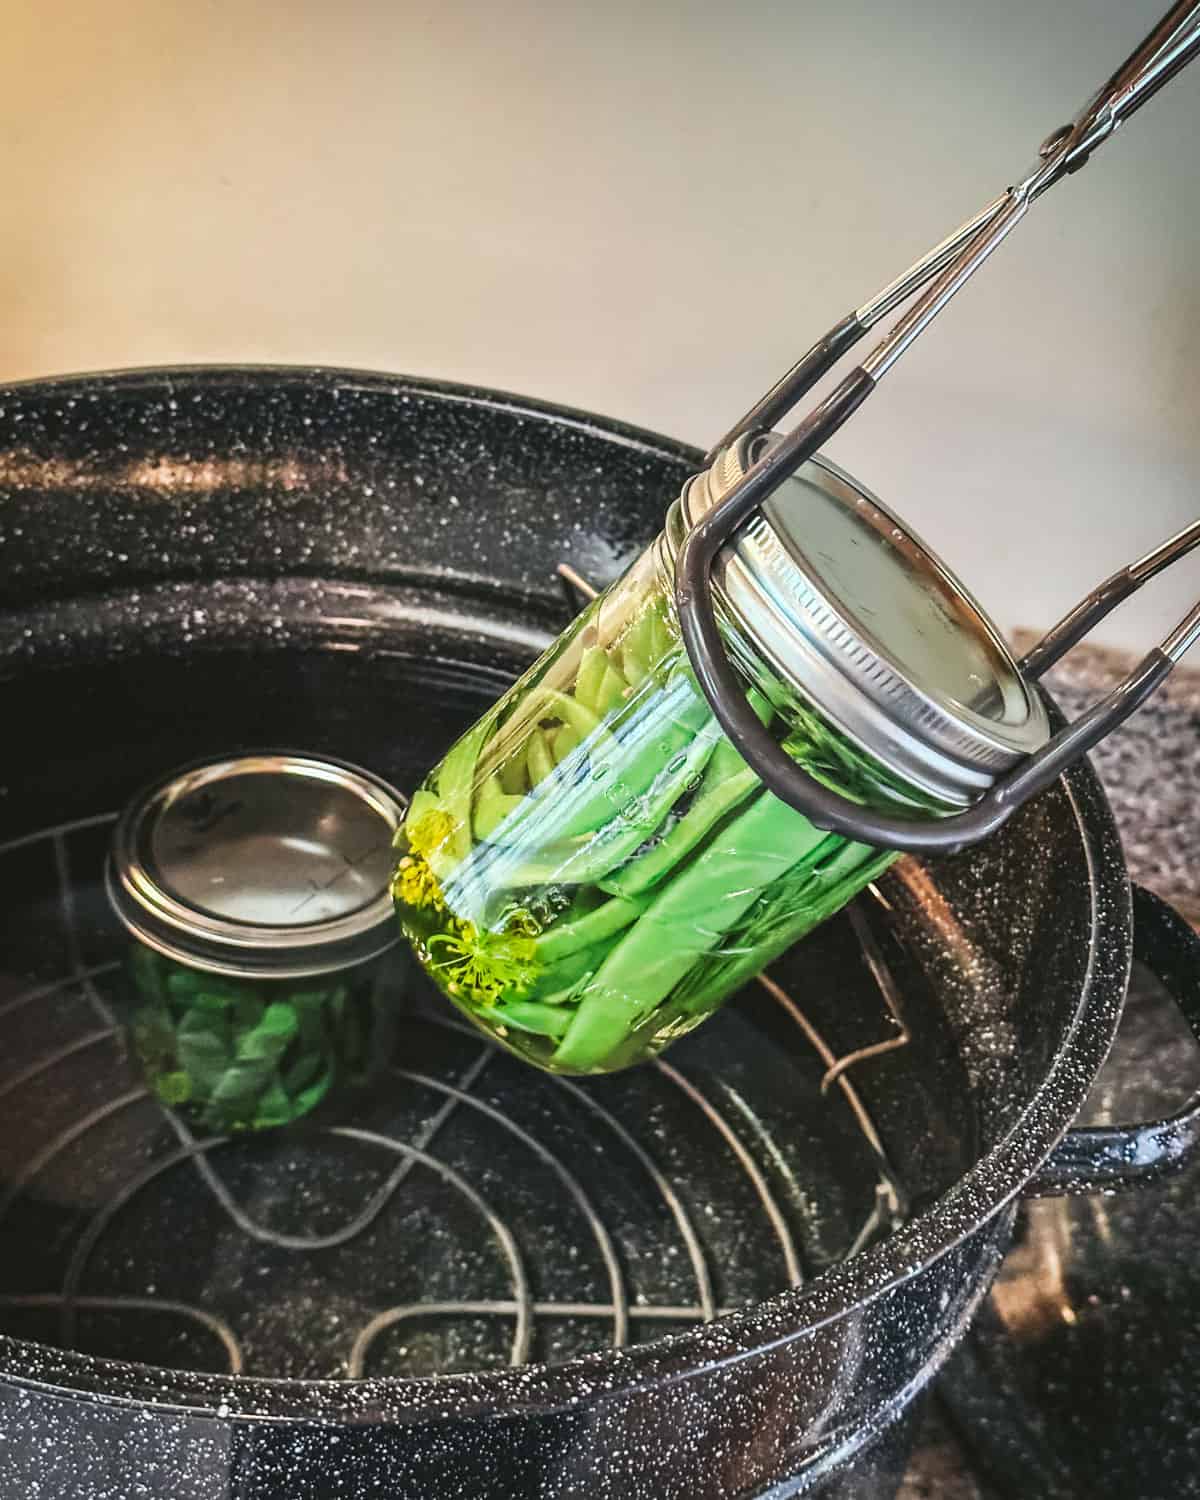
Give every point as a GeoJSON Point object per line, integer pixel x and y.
{"type": "Point", "coordinates": [949, 265]}
{"type": "Point", "coordinates": [1168, 48]}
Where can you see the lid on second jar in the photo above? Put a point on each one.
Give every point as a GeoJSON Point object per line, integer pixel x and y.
{"type": "Point", "coordinates": [851, 609]}
{"type": "Point", "coordinates": [260, 866]}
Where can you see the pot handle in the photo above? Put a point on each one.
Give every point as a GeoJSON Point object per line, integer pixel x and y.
{"type": "Point", "coordinates": [1092, 1159]}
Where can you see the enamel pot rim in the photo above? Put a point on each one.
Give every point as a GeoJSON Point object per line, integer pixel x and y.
{"type": "Point", "coordinates": [982, 1193]}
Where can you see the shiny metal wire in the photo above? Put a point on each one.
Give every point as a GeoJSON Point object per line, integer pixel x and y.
{"type": "Point", "coordinates": [520, 1309]}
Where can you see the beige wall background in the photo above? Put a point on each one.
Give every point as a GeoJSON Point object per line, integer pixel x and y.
{"type": "Point", "coordinates": [643, 209]}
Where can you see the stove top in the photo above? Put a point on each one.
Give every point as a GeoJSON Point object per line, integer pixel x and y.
{"type": "Point", "coordinates": [1081, 1376]}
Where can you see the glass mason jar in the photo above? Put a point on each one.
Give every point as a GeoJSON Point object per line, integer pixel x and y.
{"type": "Point", "coordinates": [593, 869]}
{"type": "Point", "coordinates": [265, 975]}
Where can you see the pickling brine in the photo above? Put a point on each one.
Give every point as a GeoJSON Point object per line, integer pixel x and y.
{"type": "Point", "coordinates": [593, 869]}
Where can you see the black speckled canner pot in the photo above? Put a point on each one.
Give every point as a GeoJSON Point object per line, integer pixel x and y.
{"type": "Point", "coordinates": [169, 514]}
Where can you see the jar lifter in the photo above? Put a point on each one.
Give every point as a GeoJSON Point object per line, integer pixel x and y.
{"type": "Point", "coordinates": [1173, 44]}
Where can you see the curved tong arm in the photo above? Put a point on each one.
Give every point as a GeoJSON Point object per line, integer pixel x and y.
{"type": "Point", "coordinates": [1088, 613]}
{"type": "Point", "coordinates": [1173, 43]}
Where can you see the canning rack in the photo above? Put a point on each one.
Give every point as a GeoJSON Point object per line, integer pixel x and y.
{"type": "Point", "coordinates": [948, 266]}
{"type": "Point", "coordinates": [129, 1149]}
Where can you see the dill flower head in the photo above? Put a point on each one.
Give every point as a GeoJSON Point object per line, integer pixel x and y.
{"type": "Point", "coordinates": [415, 885]}
{"type": "Point", "coordinates": [480, 965]}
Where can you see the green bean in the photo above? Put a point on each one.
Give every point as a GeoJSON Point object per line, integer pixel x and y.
{"type": "Point", "coordinates": [268, 1041]}
{"type": "Point", "coordinates": [514, 775]}
{"type": "Point", "coordinates": [565, 739]}
{"type": "Point", "coordinates": [525, 703]}
{"type": "Point", "coordinates": [556, 981]}
{"type": "Point", "coordinates": [775, 929]}
{"type": "Point", "coordinates": [204, 1052]}
{"type": "Point", "coordinates": [248, 1091]}
{"type": "Point", "coordinates": [591, 674]}
{"type": "Point", "coordinates": [583, 788]}
{"type": "Point", "coordinates": [422, 801]}
{"type": "Point", "coordinates": [508, 867]}
{"type": "Point", "coordinates": [654, 731]}
{"type": "Point", "coordinates": [306, 1098]}
{"type": "Point", "coordinates": [727, 781]}
{"type": "Point", "coordinates": [594, 856]}
{"type": "Point", "coordinates": [568, 937]}
{"type": "Point", "coordinates": [550, 703]}
{"type": "Point", "coordinates": [581, 797]}
{"type": "Point", "coordinates": [300, 1074]}
{"type": "Point", "coordinates": [455, 780]}
{"type": "Point", "coordinates": [539, 758]}
{"type": "Point", "coordinates": [662, 641]}
{"type": "Point", "coordinates": [493, 806]}
{"type": "Point", "coordinates": [189, 985]}
{"type": "Point", "coordinates": [247, 1010]}
{"type": "Point", "coordinates": [612, 689]}
{"type": "Point", "coordinates": [584, 720]}
{"type": "Point", "coordinates": [637, 647]}
{"type": "Point", "coordinates": [682, 925]}
{"type": "Point", "coordinates": [532, 1015]}
{"type": "Point", "coordinates": [273, 1107]}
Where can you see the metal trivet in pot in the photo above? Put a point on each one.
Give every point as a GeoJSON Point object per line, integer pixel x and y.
{"type": "Point", "coordinates": [750, 467]}
{"type": "Point", "coordinates": [455, 1221]}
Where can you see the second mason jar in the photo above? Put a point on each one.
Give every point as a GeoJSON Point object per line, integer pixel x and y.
{"type": "Point", "coordinates": [264, 976]}
{"type": "Point", "coordinates": [593, 869]}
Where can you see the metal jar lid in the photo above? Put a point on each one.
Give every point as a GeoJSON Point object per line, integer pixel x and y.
{"type": "Point", "coordinates": [852, 610]}
{"type": "Point", "coordinates": [260, 866]}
